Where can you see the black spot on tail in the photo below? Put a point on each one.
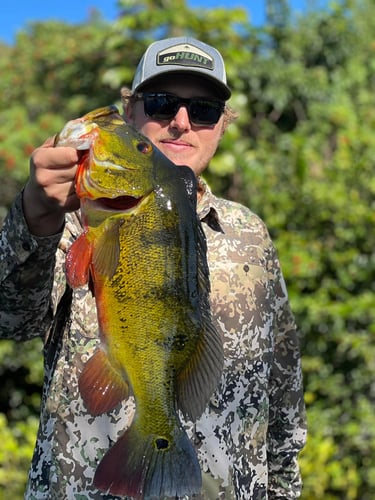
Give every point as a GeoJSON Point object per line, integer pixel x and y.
{"type": "Point", "coordinates": [161, 444]}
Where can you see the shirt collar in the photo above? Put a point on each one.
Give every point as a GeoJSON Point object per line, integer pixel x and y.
{"type": "Point", "coordinates": [206, 206]}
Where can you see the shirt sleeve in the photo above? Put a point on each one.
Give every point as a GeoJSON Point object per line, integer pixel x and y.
{"type": "Point", "coordinates": [26, 278]}
{"type": "Point", "coordinates": [287, 416]}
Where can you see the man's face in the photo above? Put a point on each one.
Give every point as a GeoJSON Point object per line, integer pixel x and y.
{"type": "Point", "coordinates": [181, 141]}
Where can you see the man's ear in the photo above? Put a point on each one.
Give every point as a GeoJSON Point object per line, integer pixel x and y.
{"type": "Point", "coordinates": [128, 114]}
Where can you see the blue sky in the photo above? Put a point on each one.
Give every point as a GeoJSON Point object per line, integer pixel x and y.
{"type": "Point", "coordinates": [14, 17]}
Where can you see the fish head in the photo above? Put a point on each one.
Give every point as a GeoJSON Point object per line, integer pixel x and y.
{"type": "Point", "coordinates": [117, 159]}
{"type": "Point", "coordinates": [120, 168]}
{"type": "Point", "coordinates": [116, 170]}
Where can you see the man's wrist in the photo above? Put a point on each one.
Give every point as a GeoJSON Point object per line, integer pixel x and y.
{"type": "Point", "coordinates": [41, 222]}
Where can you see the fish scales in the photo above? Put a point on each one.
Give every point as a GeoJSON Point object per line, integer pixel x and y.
{"type": "Point", "coordinates": [143, 251]}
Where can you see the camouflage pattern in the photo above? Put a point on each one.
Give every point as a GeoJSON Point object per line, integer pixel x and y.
{"type": "Point", "coordinates": [249, 436]}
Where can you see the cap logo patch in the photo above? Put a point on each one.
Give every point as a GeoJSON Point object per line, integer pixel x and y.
{"type": "Point", "coordinates": [185, 55]}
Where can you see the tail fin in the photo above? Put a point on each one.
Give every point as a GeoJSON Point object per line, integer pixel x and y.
{"type": "Point", "coordinates": [150, 466]}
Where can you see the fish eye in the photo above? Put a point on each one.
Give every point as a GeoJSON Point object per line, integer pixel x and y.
{"type": "Point", "coordinates": [144, 147]}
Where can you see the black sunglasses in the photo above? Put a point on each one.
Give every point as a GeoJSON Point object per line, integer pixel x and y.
{"type": "Point", "coordinates": [164, 106]}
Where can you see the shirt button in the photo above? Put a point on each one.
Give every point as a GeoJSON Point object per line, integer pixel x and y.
{"type": "Point", "coordinates": [26, 246]}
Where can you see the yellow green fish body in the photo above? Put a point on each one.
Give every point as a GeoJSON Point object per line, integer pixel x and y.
{"type": "Point", "coordinates": [144, 252]}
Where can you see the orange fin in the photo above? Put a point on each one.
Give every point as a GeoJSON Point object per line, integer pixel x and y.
{"type": "Point", "coordinates": [78, 261]}
{"type": "Point", "coordinates": [106, 252]}
{"type": "Point", "coordinates": [149, 466]}
{"type": "Point", "coordinates": [101, 386]}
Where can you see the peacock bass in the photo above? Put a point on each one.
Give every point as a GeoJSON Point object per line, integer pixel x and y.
{"type": "Point", "coordinates": [143, 251]}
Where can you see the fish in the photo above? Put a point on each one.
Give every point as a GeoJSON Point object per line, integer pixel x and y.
{"type": "Point", "coordinates": [143, 253]}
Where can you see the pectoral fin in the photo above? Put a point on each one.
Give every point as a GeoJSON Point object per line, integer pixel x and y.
{"type": "Point", "coordinates": [106, 253]}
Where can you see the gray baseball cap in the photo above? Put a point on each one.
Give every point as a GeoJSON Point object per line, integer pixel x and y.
{"type": "Point", "coordinates": [182, 55]}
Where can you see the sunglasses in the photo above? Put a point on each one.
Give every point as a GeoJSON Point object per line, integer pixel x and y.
{"type": "Point", "coordinates": [164, 106]}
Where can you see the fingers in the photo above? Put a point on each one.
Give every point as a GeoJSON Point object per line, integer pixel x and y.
{"type": "Point", "coordinates": [50, 190]}
{"type": "Point", "coordinates": [47, 156]}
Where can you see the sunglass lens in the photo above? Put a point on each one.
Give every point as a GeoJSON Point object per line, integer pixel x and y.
{"type": "Point", "coordinates": [205, 112]}
{"type": "Point", "coordinates": [161, 107]}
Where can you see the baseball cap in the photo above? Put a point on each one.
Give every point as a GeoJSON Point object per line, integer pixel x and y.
{"type": "Point", "coordinates": [182, 55]}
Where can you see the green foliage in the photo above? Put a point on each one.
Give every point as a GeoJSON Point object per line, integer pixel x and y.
{"type": "Point", "coordinates": [17, 444]}
{"type": "Point", "coordinates": [21, 375]}
{"type": "Point", "coordinates": [301, 155]}
{"type": "Point", "coordinates": [53, 73]}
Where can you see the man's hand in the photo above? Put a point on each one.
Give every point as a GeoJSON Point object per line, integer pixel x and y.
{"type": "Point", "coordinates": [49, 193]}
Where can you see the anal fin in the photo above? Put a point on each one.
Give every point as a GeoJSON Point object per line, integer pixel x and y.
{"type": "Point", "coordinates": [101, 386]}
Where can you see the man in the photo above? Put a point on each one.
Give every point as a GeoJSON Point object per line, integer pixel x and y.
{"type": "Point", "coordinates": [249, 436]}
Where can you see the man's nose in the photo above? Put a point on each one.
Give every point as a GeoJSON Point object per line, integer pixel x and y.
{"type": "Point", "coordinates": [181, 119]}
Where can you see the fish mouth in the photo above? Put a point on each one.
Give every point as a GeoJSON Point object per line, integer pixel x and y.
{"type": "Point", "coordinates": [120, 203]}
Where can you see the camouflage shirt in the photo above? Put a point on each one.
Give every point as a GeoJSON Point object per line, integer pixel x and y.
{"type": "Point", "coordinates": [250, 434]}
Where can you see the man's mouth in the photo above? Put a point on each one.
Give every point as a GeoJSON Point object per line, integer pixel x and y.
{"type": "Point", "coordinates": [176, 143]}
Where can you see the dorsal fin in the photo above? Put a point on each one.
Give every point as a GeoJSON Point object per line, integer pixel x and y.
{"type": "Point", "coordinates": [201, 375]}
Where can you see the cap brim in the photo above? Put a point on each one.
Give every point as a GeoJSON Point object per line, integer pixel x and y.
{"type": "Point", "coordinates": [222, 91]}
